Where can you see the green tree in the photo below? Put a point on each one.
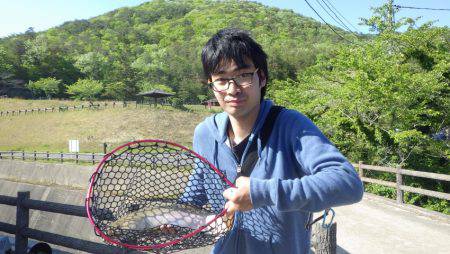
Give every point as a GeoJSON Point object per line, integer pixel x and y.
{"type": "Point", "coordinates": [47, 86]}
{"type": "Point", "coordinates": [202, 97]}
{"type": "Point", "coordinates": [93, 64]}
{"type": "Point", "coordinates": [115, 90]}
{"type": "Point", "coordinates": [382, 20]}
{"type": "Point", "coordinates": [5, 65]}
{"type": "Point", "coordinates": [382, 102]}
{"type": "Point", "coordinates": [85, 89]}
{"type": "Point", "coordinates": [379, 106]}
{"type": "Point", "coordinates": [44, 57]}
{"type": "Point", "coordinates": [152, 65]}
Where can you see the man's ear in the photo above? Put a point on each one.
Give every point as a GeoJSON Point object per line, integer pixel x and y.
{"type": "Point", "coordinates": [263, 82]}
{"type": "Point", "coordinates": [262, 79]}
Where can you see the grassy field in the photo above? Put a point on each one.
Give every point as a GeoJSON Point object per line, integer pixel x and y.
{"type": "Point", "coordinates": [52, 131]}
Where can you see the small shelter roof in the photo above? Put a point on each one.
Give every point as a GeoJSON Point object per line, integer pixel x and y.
{"type": "Point", "coordinates": [211, 102]}
{"type": "Point", "coordinates": [155, 93]}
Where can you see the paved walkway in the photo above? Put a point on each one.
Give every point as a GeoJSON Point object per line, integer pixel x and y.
{"type": "Point", "coordinates": [379, 225]}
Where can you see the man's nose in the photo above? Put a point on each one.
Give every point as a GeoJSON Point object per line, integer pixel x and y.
{"type": "Point", "coordinates": [233, 87]}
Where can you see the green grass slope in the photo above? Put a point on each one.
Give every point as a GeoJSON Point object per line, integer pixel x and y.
{"type": "Point", "coordinates": [51, 131]}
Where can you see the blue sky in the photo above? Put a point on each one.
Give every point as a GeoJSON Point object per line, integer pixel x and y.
{"type": "Point", "coordinates": [17, 15]}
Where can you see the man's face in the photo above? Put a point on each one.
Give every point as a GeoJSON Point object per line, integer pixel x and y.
{"type": "Point", "coordinates": [239, 101]}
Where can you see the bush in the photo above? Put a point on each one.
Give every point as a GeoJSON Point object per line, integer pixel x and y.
{"type": "Point", "coordinates": [85, 89]}
{"type": "Point", "coordinates": [47, 86]}
{"type": "Point", "coordinates": [178, 104]}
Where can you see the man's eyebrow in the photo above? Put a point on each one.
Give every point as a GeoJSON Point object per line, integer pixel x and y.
{"type": "Point", "coordinates": [237, 68]}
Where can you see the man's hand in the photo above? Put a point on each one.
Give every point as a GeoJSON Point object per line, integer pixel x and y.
{"type": "Point", "coordinates": [239, 197]}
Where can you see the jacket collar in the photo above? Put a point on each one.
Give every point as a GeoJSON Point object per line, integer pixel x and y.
{"type": "Point", "coordinates": [220, 122]}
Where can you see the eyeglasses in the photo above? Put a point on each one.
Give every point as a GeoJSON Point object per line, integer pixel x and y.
{"type": "Point", "coordinates": [242, 80]}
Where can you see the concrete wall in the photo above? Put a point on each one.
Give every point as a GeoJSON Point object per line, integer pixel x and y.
{"type": "Point", "coordinates": [51, 182]}
{"type": "Point", "coordinates": [65, 175]}
{"type": "Point", "coordinates": [61, 183]}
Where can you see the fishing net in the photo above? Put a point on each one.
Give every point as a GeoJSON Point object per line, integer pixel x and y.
{"type": "Point", "coordinates": [156, 195]}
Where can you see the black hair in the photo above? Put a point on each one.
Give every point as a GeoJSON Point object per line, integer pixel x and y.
{"type": "Point", "coordinates": [41, 248]}
{"type": "Point", "coordinates": [237, 45]}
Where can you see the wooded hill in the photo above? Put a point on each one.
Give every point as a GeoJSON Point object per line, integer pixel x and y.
{"type": "Point", "coordinates": [156, 45]}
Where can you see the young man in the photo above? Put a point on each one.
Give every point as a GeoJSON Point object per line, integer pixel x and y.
{"type": "Point", "coordinates": [298, 170]}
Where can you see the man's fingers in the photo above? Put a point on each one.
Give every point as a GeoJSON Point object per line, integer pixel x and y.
{"type": "Point", "coordinates": [227, 204]}
{"type": "Point", "coordinates": [230, 207]}
{"type": "Point", "coordinates": [230, 194]}
{"type": "Point", "coordinates": [242, 181]}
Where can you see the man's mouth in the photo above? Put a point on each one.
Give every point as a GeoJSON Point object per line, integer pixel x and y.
{"type": "Point", "coordinates": [234, 101]}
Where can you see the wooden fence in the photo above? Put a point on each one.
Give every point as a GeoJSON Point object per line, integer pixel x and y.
{"type": "Point", "coordinates": [100, 105]}
{"type": "Point", "coordinates": [22, 231]}
{"type": "Point", "coordinates": [47, 156]}
{"type": "Point", "coordinates": [323, 240]}
{"type": "Point", "coordinates": [398, 185]}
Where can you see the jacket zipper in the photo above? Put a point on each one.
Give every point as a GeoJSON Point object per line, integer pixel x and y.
{"type": "Point", "coordinates": [238, 171]}
{"type": "Point", "coordinates": [238, 215]}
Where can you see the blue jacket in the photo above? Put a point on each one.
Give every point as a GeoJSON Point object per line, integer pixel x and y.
{"type": "Point", "coordinates": [299, 172]}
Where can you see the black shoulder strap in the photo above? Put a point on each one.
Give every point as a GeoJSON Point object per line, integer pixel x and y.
{"type": "Point", "coordinates": [252, 154]}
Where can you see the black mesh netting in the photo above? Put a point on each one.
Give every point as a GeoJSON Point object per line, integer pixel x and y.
{"type": "Point", "coordinates": [151, 193]}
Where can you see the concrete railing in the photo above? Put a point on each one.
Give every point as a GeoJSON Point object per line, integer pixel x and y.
{"type": "Point", "coordinates": [398, 185]}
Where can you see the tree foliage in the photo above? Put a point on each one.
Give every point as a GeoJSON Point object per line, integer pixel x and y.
{"type": "Point", "coordinates": [85, 89]}
{"type": "Point", "coordinates": [115, 90]}
{"type": "Point", "coordinates": [382, 20]}
{"type": "Point", "coordinates": [160, 42]}
{"type": "Point", "coordinates": [5, 65]}
{"type": "Point", "coordinates": [46, 86]}
{"type": "Point", "coordinates": [93, 64]}
{"type": "Point", "coordinates": [383, 102]}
